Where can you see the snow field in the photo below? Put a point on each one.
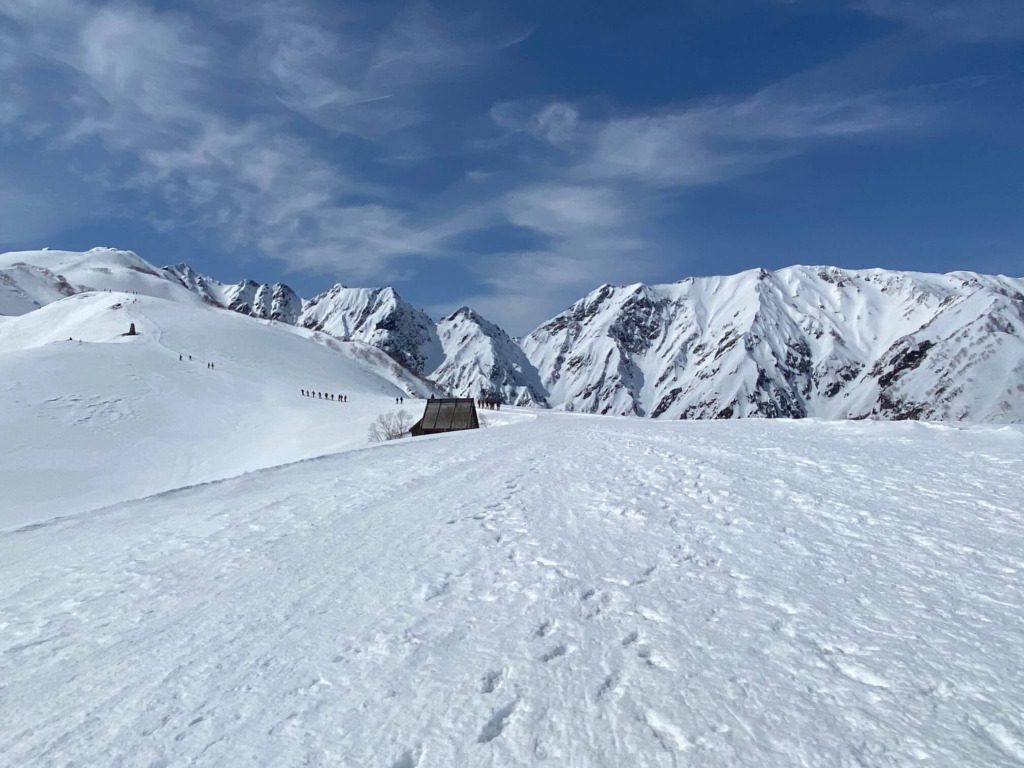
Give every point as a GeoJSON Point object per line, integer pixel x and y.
{"type": "Point", "coordinates": [566, 590]}
{"type": "Point", "coordinates": [107, 418]}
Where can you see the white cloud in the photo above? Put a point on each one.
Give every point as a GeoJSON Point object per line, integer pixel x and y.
{"type": "Point", "coordinates": [593, 235]}
{"type": "Point", "coordinates": [330, 71]}
{"type": "Point", "coordinates": [555, 123]}
{"type": "Point", "coordinates": [972, 21]}
{"type": "Point", "coordinates": [564, 210]}
{"type": "Point", "coordinates": [714, 142]}
{"type": "Point", "coordinates": [150, 89]}
{"type": "Point", "coordinates": [139, 61]}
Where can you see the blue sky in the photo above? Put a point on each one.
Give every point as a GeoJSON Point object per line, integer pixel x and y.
{"type": "Point", "coordinates": [513, 156]}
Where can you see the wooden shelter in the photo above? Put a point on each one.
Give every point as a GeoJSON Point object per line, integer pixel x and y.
{"type": "Point", "coordinates": [446, 414]}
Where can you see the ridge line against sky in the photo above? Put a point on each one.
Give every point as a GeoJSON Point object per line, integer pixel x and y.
{"type": "Point", "coordinates": [513, 156]}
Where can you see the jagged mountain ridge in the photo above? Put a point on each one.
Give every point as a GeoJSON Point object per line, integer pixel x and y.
{"type": "Point", "coordinates": [482, 360]}
{"type": "Point", "coordinates": [464, 354]}
{"type": "Point", "coordinates": [376, 316]}
{"type": "Point", "coordinates": [802, 341]}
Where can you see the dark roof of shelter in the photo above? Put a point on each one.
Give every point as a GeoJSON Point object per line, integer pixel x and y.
{"type": "Point", "coordinates": [447, 414]}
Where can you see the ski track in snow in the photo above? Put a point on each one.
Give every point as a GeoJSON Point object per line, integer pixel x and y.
{"type": "Point", "coordinates": [569, 591]}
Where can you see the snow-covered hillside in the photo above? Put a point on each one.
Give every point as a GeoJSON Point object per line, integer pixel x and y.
{"type": "Point", "coordinates": [32, 279]}
{"type": "Point", "coordinates": [567, 590]}
{"type": "Point", "coordinates": [802, 341]}
{"type": "Point", "coordinates": [376, 316]}
{"type": "Point", "coordinates": [555, 589]}
{"type": "Point", "coordinates": [481, 360]}
{"type": "Point", "coordinates": [89, 416]}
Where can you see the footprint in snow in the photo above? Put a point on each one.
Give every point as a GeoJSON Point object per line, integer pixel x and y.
{"type": "Point", "coordinates": [554, 653]}
{"type": "Point", "coordinates": [609, 682]}
{"type": "Point", "coordinates": [498, 723]}
{"type": "Point", "coordinates": [490, 681]}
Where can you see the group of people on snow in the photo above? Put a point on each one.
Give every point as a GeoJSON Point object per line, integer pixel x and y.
{"type": "Point", "coordinates": [182, 359]}
{"type": "Point", "coordinates": [325, 396]}
{"type": "Point", "coordinates": [493, 405]}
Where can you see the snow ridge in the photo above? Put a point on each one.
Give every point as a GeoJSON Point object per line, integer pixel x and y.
{"type": "Point", "coordinates": [482, 360]}
{"type": "Point", "coordinates": [802, 341]}
{"type": "Point", "coordinates": [799, 342]}
{"type": "Point", "coordinates": [376, 316]}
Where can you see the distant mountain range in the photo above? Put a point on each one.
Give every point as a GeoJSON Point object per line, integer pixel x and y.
{"type": "Point", "coordinates": [798, 342]}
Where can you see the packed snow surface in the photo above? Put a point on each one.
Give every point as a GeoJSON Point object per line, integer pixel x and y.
{"type": "Point", "coordinates": [556, 589]}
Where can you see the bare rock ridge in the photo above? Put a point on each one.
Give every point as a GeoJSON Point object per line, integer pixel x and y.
{"type": "Point", "coordinates": [481, 360]}
{"type": "Point", "coordinates": [799, 342]}
{"type": "Point", "coordinates": [376, 316]}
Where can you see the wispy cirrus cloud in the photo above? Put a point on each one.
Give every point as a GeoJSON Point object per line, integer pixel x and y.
{"type": "Point", "coordinates": [330, 70]}
{"type": "Point", "coordinates": [555, 123]}
{"type": "Point", "coordinates": [159, 104]}
{"type": "Point", "coordinates": [711, 142]}
{"type": "Point", "coordinates": [971, 21]}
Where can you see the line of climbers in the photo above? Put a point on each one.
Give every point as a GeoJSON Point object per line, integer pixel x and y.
{"type": "Point", "coordinates": [325, 396]}
{"type": "Point", "coordinates": [491, 404]}
{"type": "Point", "coordinates": [181, 358]}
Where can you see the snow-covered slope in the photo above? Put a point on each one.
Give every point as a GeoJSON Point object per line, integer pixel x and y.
{"type": "Point", "coordinates": [802, 341]}
{"type": "Point", "coordinates": [268, 302]}
{"type": "Point", "coordinates": [108, 417]}
{"type": "Point", "coordinates": [482, 361]}
{"type": "Point", "coordinates": [376, 316]}
{"type": "Point", "coordinates": [568, 591]}
{"type": "Point", "coordinates": [31, 279]}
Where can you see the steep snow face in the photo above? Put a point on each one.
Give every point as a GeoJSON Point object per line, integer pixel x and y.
{"type": "Point", "coordinates": [377, 316]}
{"type": "Point", "coordinates": [482, 361]}
{"type": "Point", "coordinates": [32, 279]}
{"type": "Point", "coordinates": [208, 289]}
{"type": "Point", "coordinates": [278, 302]}
{"type": "Point", "coordinates": [803, 341]}
{"type": "Point", "coordinates": [268, 302]}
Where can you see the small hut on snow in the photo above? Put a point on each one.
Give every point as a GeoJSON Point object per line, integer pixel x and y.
{"type": "Point", "coordinates": [446, 414]}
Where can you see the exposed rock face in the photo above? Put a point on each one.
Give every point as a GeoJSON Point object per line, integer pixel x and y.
{"type": "Point", "coordinates": [802, 341]}
{"type": "Point", "coordinates": [378, 316]}
{"type": "Point", "coordinates": [205, 287]}
{"type": "Point", "coordinates": [482, 361]}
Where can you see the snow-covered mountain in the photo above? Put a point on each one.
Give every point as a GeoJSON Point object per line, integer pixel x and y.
{"type": "Point", "coordinates": [376, 316]}
{"type": "Point", "coordinates": [32, 279]}
{"type": "Point", "coordinates": [90, 416]}
{"type": "Point", "coordinates": [802, 341]}
{"type": "Point", "coordinates": [201, 566]}
{"type": "Point", "coordinates": [481, 360]}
